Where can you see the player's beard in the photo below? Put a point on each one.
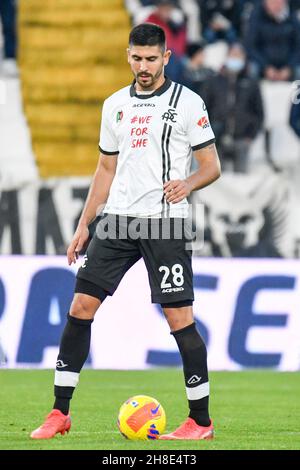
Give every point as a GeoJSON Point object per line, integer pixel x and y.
{"type": "Point", "coordinates": [149, 83]}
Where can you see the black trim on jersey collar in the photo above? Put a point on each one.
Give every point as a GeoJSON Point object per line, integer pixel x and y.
{"type": "Point", "coordinates": [165, 86]}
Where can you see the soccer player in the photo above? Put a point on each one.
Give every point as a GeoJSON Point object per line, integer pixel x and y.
{"type": "Point", "coordinates": [149, 132]}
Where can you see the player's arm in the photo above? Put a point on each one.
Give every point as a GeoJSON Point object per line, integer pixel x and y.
{"type": "Point", "coordinates": [209, 171]}
{"type": "Point", "coordinates": [96, 199]}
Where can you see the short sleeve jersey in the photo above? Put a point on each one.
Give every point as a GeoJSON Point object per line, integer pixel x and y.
{"type": "Point", "coordinates": [154, 136]}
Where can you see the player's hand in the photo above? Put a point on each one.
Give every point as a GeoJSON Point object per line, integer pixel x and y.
{"type": "Point", "coordinates": [176, 190]}
{"type": "Point", "coordinates": [80, 238]}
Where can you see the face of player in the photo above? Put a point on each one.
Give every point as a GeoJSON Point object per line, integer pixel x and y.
{"type": "Point", "coordinates": [147, 64]}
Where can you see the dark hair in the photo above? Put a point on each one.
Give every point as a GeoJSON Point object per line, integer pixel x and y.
{"type": "Point", "coordinates": [147, 34]}
{"type": "Point", "coordinates": [193, 47]}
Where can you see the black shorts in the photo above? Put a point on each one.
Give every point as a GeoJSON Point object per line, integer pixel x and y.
{"type": "Point", "coordinates": [120, 241]}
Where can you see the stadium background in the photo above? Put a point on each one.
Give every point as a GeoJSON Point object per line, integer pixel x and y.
{"type": "Point", "coordinates": [71, 56]}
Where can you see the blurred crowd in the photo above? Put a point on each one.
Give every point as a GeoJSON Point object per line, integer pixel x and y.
{"type": "Point", "coordinates": [247, 40]}
{"type": "Point", "coordinates": [258, 40]}
{"type": "Point", "coordinates": [268, 29]}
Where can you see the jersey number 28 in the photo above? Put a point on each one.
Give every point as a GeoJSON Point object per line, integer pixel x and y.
{"type": "Point", "coordinates": [177, 271]}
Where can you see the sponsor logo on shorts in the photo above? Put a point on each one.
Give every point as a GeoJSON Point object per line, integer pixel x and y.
{"type": "Point", "coordinates": [172, 289]}
{"type": "Point", "coordinates": [84, 261]}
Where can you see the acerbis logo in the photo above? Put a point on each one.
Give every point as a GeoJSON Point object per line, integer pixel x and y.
{"type": "Point", "coordinates": [139, 105]}
{"type": "Point", "coordinates": [172, 289]}
{"type": "Point", "coordinates": [60, 364]}
{"type": "Point", "coordinates": [194, 379]}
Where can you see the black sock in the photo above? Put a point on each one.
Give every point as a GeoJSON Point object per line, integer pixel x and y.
{"type": "Point", "coordinates": [62, 404]}
{"type": "Point", "coordinates": [73, 352]}
{"type": "Point", "coordinates": [194, 359]}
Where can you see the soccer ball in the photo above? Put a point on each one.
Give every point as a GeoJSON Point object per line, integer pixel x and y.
{"type": "Point", "coordinates": [141, 418]}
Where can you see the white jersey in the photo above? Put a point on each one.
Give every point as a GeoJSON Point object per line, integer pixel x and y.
{"type": "Point", "coordinates": [154, 136]}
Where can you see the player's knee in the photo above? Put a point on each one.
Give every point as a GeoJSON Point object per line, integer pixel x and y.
{"type": "Point", "coordinates": [177, 323]}
{"type": "Point", "coordinates": [178, 317]}
{"type": "Point", "coordinates": [84, 307]}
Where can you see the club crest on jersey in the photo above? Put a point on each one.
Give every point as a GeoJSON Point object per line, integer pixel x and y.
{"type": "Point", "coordinates": [169, 115]}
{"type": "Point", "coordinates": [119, 116]}
{"type": "Point", "coordinates": [203, 122]}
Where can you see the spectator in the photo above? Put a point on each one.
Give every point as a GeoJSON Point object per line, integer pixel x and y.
{"type": "Point", "coordinates": [295, 7]}
{"type": "Point", "coordinates": [220, 20]}
{"type": "Point", "coordinates": [295, 118]}
{"type": "Point", "coordinates": [139, 10]}
{"type": "Point", "coordinates": [194, 72]}
{"type": "Point", "coordinates": [273, 42]}
{"type": "Point", "coordinates": [236, 109]}
{"type": "Point", "coordinates": [8, 20]}
{"type": "Point", "coordinates": [175, 30]}
{"type": "Point", "coordinates": [247, 7]}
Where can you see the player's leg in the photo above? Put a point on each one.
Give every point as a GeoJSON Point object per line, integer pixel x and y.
{"type": "Point", "coordinates": [73, 352]}
{"type": "Point", "coordinates": [178, 314]}
{"type": "Point", "coordinates": [194, 358]}
{"type": "Point", "coordinates": [169, 267]}
{"type": "Point", "coordinates": [75, 341]}
{"type": "Point", "coordinates": [105, 263]}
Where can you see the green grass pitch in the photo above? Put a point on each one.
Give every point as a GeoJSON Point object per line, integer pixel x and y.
{"type": "Point", "coordinates": [251, 410]}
